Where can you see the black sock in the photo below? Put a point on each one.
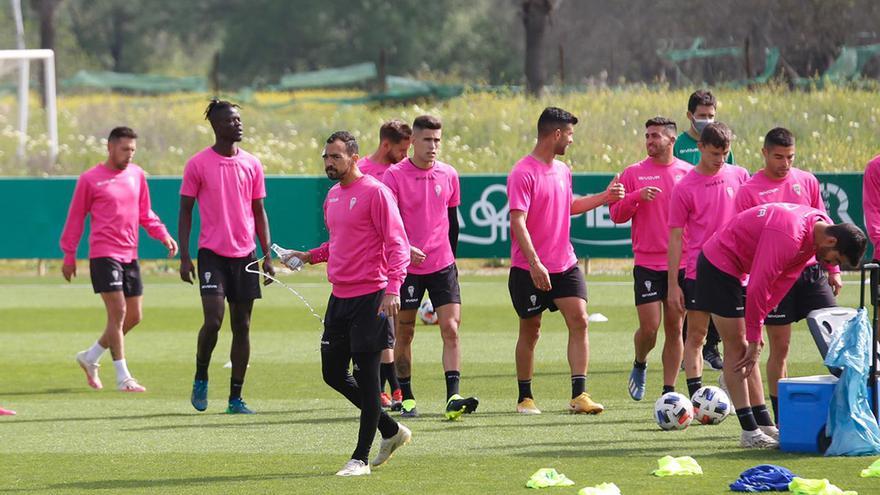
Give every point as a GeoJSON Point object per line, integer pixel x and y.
{"type": "Point", "coordinates": [668, 388]}
{"type": "Point", "coordinates": [694, 384]}
{"type": "Point", "coordinates": [762, 415]}
{"type": "Point", "coordinates": [383, 377]}
{"type": "Point", "coordinates": [406, 387]}
{"type": "Point", "coordinates": [774, 401]}
{"type": "Point", "coordinates": [640, 366]}
{"type": "Point", "coordinates": [453, 378]}
{"type": "Point", "coordinates": [578, 385]}
{"type": "Point", "coordinates": [392, 376]}
{"type": "Point", "coordinates": [747, 419]}
{"type": "Point", "coordinates": [525, 390]}
{"type": "Point", "coordinates": [235, 387]}
{"type": "Point", "coordinates": [202, 370]}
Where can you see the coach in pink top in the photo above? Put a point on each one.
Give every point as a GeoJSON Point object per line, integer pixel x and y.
{"type": "Point", "coordinates": [780, 182]}
{"type": "Point", "coordinates": [229, 186]}
{"type": "Point", "coordinates": [649, 184]}
{"type": "Point", "coordinates": [366, 256]}
{"type": "Point", "coordinates": [771, 244]}
{"type": "Point", "coordinates": [701, 203]}
{"type": "Point", "coordinates": [544, 272]}
{"type": "Point", "coordinates": [115, 196]}
{"type": "Point", "coordinates": [871, 201]}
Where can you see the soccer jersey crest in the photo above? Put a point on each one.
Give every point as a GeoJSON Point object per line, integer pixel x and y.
{"type": "Point", "coordinates": [207, 277]}
{"type": "Point", "coordinates": [730, 191]}
{"type": "Point", "coordinates": [115, 274]}
{"type": "Point", "coordinates": [351, 203]}
{"type": "Point", "coordinates": [648, 285]}
{"type": "Point", "coordinates": [437, 189]}
{"type": "Point", "coordinates": [797, 189]}
{"type": "Point", "coordinates": [411, 290]}
{"type": "Point", "coordinates": [533, 298]}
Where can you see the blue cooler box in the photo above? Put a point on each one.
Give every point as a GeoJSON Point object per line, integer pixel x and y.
{"type": "Point", "coordinates": [803, 412]}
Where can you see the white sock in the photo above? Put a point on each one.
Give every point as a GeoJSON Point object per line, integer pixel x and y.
{"type": "Point", "coordinates": [93, 355]}
{"type": "Point", "coordinates": [121, 370]}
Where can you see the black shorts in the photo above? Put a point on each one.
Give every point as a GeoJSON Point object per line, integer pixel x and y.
{"type": "Point", "coordinates": [690, 295]}
{"type": "Point", "coordinates": [353, 324]}
{"type": "Point", "coordinates": [442, 287]}
{"type": "Point", "coordinates": [651, 285]}
{"type": "Point", "coordinates": [717, 292]}
{"type": "Point", "coordinates": [222, 276]}
{"type": "Point", "coordinates": [109, 275]}
{"type": "Point", "coordinates": [529, 301]}
{"type": "Point", "coordinates": [810, 291]}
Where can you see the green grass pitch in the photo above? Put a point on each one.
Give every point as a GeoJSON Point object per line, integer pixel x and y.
{"type": "Point", "coordinates": [69, 439]}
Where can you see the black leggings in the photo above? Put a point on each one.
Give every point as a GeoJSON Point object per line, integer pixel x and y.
{"type": "Point", "coordinates": [362, 390]}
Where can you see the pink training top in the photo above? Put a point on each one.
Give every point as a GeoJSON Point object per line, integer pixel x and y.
{"type": "Point", "coordinates": [368, 249]}
{"type": "Point", "coordinates": [702, 204]}
{"type": "Point", "coordinates": [650, 236]}
{"type": "Point", "coordinates": [423, 197]}
{"type": "Point", "coordinates": [117, 202]}
{"type": "Point", "coordinates": [225, 187]}
{"type": "Point", "coordinates": [798, 187]}
{"type": "Point", "coordinates": [772, 244]}
{"type": "Point", "coordinates": [871, 200]}
{"type": "Point", "coordinates": [544, 193]}
{"type": "Point", "coordinates": [371, 168]}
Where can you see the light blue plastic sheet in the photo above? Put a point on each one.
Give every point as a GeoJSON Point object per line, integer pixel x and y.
{"type": "Point", "coordinates": [851, 424]}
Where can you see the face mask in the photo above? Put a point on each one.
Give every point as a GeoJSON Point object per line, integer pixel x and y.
{"type": "Point", "coordinates": [700, 124]}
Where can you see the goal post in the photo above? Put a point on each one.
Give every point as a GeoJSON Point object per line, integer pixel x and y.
{"type": "Point", "coordinates": [47, 57]}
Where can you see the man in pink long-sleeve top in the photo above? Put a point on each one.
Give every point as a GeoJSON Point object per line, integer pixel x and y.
{"type": "Point", "coordinates": [366, 256]}
{"type": "Point", "coordinates": [115, 196]}
{"type": "Point", "coordinates": [780, 182]}
{"type": "Point", "coordinates": [771, 244]}
{"type": "Point", "coordinates": [871, 201]}
{"type": "Point", "coordinates": [649, 184]}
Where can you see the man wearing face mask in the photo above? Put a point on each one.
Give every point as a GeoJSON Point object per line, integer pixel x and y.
{"type": "Point", "coordinates": [701, 112]}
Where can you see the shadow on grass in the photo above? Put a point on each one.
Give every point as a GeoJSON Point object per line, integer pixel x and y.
{"type": "Point", "coordinates": [19, 419]}
{"type": "Point", "coordinates": [50, 391]}
{"type": "Point", "coordinates": [249, 424]}
{"type": "Point", "coordinates": [172, 482]}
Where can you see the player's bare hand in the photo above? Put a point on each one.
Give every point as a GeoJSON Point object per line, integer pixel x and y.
{"type": "Point", "coordinates": [615, 190]}
{"type": "Point", "coordinates": [390, 306]}
{"type": "Point", "coordinates": [748, 362]}
{"type": "Point", "coordinates": [171, 245]}
{"type": "Point", "coordinates": [540, 276]}
{"type": "Point", "coordinates": [836, 282]}
{"type": "Point", "coordinates": [187, 270]}
{"type": "Point", "coordinates": [649, 193]}
{"type": "Point", "coordinates": [675, 298]}
{"type": "Point", "coordinates": [416, 256]}
{"type": "Point", "coordinates": [69, 271]}
{"type": "Point", "coordinates": [269, 270]}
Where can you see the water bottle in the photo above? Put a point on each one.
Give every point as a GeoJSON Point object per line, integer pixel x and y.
{"type": "Point", "coordinates": [293, 263]}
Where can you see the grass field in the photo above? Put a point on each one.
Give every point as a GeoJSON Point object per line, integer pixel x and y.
{"type": "Point", "coordinates": [69, 439]}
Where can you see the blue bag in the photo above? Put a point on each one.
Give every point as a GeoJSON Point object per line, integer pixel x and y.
{"type": "Point", "coordinates": [763, 478]}
{"type": "Point", "coordinates": [851, 423]}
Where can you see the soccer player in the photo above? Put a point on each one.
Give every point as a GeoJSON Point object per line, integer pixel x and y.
{"type": "Point", "coordinates": [229, 185]}
{"type": "Point", "coordinates": [780, 182]}
{"type": "Point", "coordinates": [544, 273]}
{"type": "Point", "coordinates": [702, 106]}
{"type": "Point", "coordinates": [871, 200]}
{"type": "Point", "coordinates": [649, 184]}
{"type": "Point", "coordinates": [115, 195]}
{"type": "Point", "coordinates": [395, 137]}
{"type": "Point", "coordinates": [366, 257]}
{"type": "Point", "coordinates": [772, 244]}
{"type": "Point", "coordinates": [702, 202]}
{"type": "Point", "coordinates": [428, 194]}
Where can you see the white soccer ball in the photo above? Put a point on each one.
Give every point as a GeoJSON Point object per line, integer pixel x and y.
{"type": "Point", "coordinates": [673, 411]}
{"type": "Point", "coordinates": [711, 405]}
{"type": "Point", "coordinates": [426, 313]}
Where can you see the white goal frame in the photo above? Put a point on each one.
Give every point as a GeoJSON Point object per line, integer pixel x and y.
{"type": "Point", "coordinates": [48, 59]}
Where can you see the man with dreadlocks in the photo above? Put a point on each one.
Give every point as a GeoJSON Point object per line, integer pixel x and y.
{"type": "Point", "coordinates": [229, 185]}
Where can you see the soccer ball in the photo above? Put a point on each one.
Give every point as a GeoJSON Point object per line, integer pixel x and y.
{"type": "Point", "coordinates": [426, 313]}
{"type": "Point", "coordinates": [673, 411]}
{"type": "Point", "coordinates": [711, 405]}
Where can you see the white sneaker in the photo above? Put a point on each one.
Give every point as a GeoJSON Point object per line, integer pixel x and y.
{"type": "Point", "coordinates": [757, 440]}
{"type": "Point", "coordinates": [91, 370]}
{"type": "Point", "coordinates": [354, 467]}
{"type": "Point", "coordinates": [388, 445]}
{"type": "Point", "coordinates": [770, 431]}
{"type": "Point", "coordinates": [131, 385]}
{"type": "Point", "coordinates": [527, 406]}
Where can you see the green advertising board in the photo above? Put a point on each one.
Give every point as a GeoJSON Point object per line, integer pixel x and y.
{"type": "Point", "coordinates": [37, 207]}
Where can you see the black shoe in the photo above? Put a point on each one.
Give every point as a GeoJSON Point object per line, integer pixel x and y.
{"type": "Point", "coordinates": [712, 357]}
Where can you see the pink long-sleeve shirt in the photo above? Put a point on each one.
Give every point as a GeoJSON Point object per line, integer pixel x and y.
{"type": "Point", "coordinates": [650, 235]}
{"type": "Point", "coordinates": [772, 244]}
{"type": "Point", "coordinates": [798, 187]}
{"type": "Point", "coordinates": [117, 202]}
{"type": "Point", "coordinates": [871, 200]}
{"type": "Point", "coordinates": [368, 249]}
